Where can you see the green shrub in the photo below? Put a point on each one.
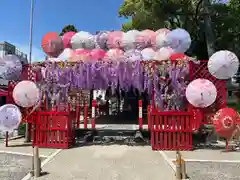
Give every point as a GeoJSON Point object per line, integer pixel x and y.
{"type": "Point", "coordinates": [235, 106]}
{"type": "Point", "coordinates": [22, 129]}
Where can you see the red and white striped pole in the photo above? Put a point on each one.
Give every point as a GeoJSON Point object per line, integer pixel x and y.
{"type": "Point", "coordinates": [140, 114]}
{"type": "Point", "coordinates": [94, 103]}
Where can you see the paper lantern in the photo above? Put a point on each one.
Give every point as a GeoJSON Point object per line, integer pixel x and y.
{"type": "Point", "coordinates": [148, 54]}
{"type": "Point", "coordinates": [26, 94]}
{"type": "Point", "coordinates": [52, 44]}
{"type": "Point", "coordinates": [201, 93]}
{"type": "Point", "coordinates": [225, 122]}
{"type": "Point", "coordinates": [129, 40]}
{"type": "Point", "coordinates": [66, 54]}
{"type": "Point", "coordinates": [223, 64]}
{"type": "Point", "coordinates": [179, 40]}
{"type": "Point", "coordinates": [115, 39]}
{"type": "Point", "coordinates": [163, 53]}
{"type": "Point", "coordinates": [83, 40]}
{"type": "Point", "coordinates": [97, 54]}
{"type": "Point", "coordinates": [161, 38]}
{"type": "Point", "coordinates": [133, 55]}
{"type": "Point", "coordinates": [67, 39]}
{"type": "Point", "coordinates": [10, 117]}
{"type": "Point", "coordinates": [10, 67]}
{"type": "Point", "coordinates": [101, 39]}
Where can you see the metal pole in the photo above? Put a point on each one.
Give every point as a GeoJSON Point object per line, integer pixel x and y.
{"type": "Point", "coordinates": [27, 136]}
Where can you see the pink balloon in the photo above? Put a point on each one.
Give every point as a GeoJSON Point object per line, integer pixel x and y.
{"type": "Point", "coordinates": [80, 52]}
{"type": "Point", "coordinates": [163, 30]}
{"type": "Point", "coordinates": [114, 54]}
{"type": "Point", "coordinates": [115, 39]}
{"type": "Point", "coordinates": [81, 55]}
{"type": "Point", "coordinates": [66, 38]}
{"type": "Point", "coordinates": [152, 36]}
{"type": "Point", "coordinates": [97, 54]}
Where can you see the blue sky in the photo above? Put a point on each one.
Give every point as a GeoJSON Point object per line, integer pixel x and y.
{"type": "Point", "coordinates": [53, 15]}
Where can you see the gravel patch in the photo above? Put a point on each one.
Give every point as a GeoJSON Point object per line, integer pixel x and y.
{"type": "Point", "coordinates": [213, 171]}
{"type": "Point", "coordinates": [14, 167]}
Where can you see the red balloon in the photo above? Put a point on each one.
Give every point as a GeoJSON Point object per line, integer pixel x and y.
{"type": "Point", "coordinates": [67, 39]}
{"type": "Point", "coordinates": [97, 54]}
{"type": "Point", "coordinates": [225, 122]}
{"type": "Point", "coordinates": [52, 44]}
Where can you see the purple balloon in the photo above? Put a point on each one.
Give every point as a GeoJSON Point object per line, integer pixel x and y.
{"type": "Point", "coordinates": [101, 39]}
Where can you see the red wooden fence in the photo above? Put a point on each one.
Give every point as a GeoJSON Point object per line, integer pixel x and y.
{"type": "Point", "coordinates": [171, 130]}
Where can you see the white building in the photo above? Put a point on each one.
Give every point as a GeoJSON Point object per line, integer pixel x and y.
{"type": "Point", "coordinates": [7, 48]}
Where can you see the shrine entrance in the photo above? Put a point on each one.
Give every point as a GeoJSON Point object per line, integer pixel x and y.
{"type": "Point", "coordinates": [120, 108]}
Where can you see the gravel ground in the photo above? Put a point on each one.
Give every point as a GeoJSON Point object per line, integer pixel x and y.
{"type": "Point", "coordinates": [14, 167]}
{"type": "Point", "coordinates": [213, 171]}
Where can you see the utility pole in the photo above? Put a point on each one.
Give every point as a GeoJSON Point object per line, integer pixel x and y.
{"type": "Point", "coordinates": [27, 135]}
{"type": "Point", "coordinates": [208, 30]}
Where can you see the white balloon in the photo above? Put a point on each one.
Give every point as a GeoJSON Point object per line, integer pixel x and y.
{"type": "Point", "coordinates": [161, 40]}
{"type": "Point", "coordinates": [26, 94]}
{"type": "Point", "coordinates": [10, 117]}
{"type": "Point", "coordinates": [84, 40]}
{"type": "Point", "coordinates": [163, 53]}
{"type": "Point", "coordinates": [133, 55]}
{"type": "Point", "coordinates": [223, 64]}
{"type": "Point", "coordinates": [129, 39]}
{"type": "Point", "coordinates": [10, 67]}
{"type": "Point", "coordinates": [148, 54]}
{"type": "Point", "coordinates": [179, 40]}
{"type": "Point", "coordinates": [66, 54]}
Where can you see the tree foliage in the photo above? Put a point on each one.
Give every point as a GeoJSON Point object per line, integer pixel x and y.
{"type": "Point", "coordinates": [187, 14]}
{"type": "Point", "coordinates": [68, 28]}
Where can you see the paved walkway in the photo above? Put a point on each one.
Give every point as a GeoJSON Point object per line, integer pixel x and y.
{"type": "Point", "coordinates": [115, 162]}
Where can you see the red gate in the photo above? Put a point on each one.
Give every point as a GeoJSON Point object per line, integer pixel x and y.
{"type": "Point", "coordinates": [171, 130]}
{"type": "Point", "coordinates": [53, 130]}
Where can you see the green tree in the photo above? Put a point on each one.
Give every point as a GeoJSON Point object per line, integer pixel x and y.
{"type": "Point", "coordinates": [190, 15]}
{"type": "Point", "coordinates": [68, 28]}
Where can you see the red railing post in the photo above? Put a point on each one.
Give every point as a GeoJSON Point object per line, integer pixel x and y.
{"type": "Point", "coordinates": [78, 114]}
{"type": "Point", "coordinates": [85, 115]}
{"type": "Point", "coordinates": [140, 114]}
{"type": "Point", "coordinates": [149, 117]}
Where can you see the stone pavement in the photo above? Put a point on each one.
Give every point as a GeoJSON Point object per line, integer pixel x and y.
{"type": "Point", "coordinates": [16, 160]}
{"type": "Point", "coordinates": [114, 162]}
{"type": "Point", "coordinates": [209, 164]}
{"type": "Point", "coordinates": [18, 146]}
